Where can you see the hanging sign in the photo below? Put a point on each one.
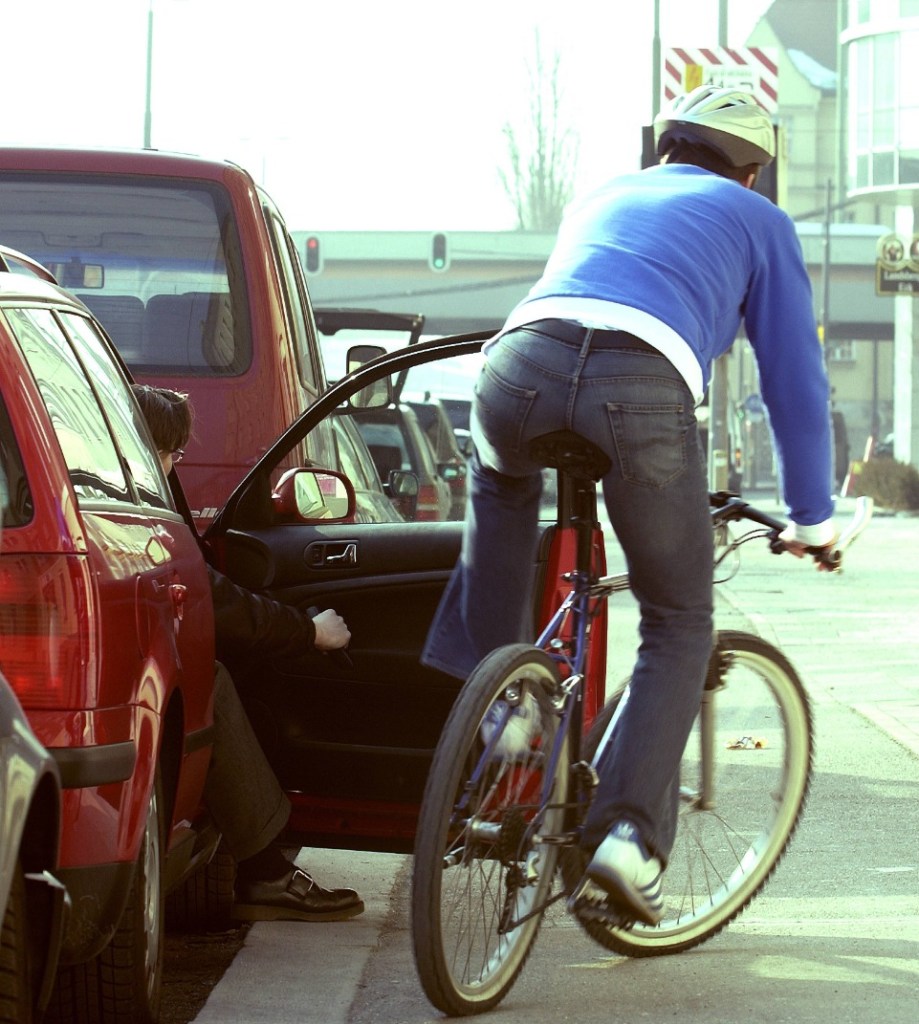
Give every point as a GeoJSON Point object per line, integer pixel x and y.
{"type": "Point", "coordinates": [897, 265]}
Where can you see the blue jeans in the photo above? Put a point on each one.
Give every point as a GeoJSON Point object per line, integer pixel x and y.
{"type": "Point", "coordinates": [631, 402]}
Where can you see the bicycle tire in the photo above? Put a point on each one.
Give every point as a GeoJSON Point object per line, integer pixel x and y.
{"type": "Point", "coordinates": [723, 856]}
{"type": "Point", "coordinates": [475, 862]}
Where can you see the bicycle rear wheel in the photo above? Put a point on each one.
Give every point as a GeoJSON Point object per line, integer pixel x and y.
{"type": "Point", "coordinates": [726, 851]}
{"type": "Point", "coordinates": [481, 877]}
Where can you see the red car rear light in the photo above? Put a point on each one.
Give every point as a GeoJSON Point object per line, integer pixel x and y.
{"type": "Point", "coordinates": [428, 507]}
{"type": "Point", "coordinates": [47, 638]}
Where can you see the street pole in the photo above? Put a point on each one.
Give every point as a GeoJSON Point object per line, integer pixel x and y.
{"type": "Point", "coordinates": [656, 62]}
{"type": "Point", "coordinates": [148, 111]}
{"type": "Point", "coordinates": [718, 439]}
{"type": "Point", "coordinates": [824, 325]}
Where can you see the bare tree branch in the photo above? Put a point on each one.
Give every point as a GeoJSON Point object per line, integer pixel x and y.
{"type": "Point", "coordinates": [540, 185]}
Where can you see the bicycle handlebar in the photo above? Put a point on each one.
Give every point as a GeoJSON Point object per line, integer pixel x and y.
{"type": "Point", "coordinates": [728, 507]}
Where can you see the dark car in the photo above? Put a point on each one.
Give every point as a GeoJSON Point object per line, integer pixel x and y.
{"type": "Point", "coordinates": [398, 444]}
{"type": "Point", "coordinates": [33, 903]}
{"type": "Point", "coordinates": [107, 642]}
{"type": "Point", "coordinates": [353, 458]}
{"type": "Point", "coordinates": [451, 463]}
{"type": "Point", "coordinates": [459, 411]}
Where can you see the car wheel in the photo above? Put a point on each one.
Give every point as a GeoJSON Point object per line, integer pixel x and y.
{"type": "Point", "coordinates": [123, 984]}
{"type": "Point", "coordinates": [204, 902]}
{"type": "Point", "coordinates": [15, 988]}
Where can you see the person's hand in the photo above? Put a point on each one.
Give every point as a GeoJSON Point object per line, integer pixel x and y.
{"type": "Point", "coordinates": [818, 553]}
{"type": "Point", "coordinates": [331, 631]}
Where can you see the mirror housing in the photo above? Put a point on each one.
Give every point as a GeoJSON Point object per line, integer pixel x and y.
{"type": "Point", "coordinates": [314, 496]}
{"type": "Point", "coordinates": [402, 489]}
{"type": "Point", "coordinates": [377, 395]}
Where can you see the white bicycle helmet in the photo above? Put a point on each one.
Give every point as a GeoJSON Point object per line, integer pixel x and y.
{"type": "Point", "coordinates": [727, 120]}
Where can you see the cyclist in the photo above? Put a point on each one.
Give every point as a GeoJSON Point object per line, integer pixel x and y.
{"type": "Point", "coordinates": [647, 284]}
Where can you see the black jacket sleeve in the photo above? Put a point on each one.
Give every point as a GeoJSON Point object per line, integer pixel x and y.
{"type": "Point", "coordinates": [246, 623]}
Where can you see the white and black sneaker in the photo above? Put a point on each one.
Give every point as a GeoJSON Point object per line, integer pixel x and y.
{"type": "Point", "coordinates": [628, 874]}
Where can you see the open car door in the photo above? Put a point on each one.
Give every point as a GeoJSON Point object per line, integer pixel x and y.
{"type": "Point", "coordinates": [352, 745]}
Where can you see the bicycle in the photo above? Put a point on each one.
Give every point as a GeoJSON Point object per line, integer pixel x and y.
{"type": "Point", "coordinates": [513, 774]}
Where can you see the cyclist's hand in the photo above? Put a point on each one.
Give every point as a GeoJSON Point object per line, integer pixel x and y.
{"type": "Point", "coordinates": [821, 554]}
{"type": "Point", "coordinates": [331, 631]}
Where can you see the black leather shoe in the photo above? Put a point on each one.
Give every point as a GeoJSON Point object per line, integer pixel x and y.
{"type": "Point", "coordinates": [296, 897]}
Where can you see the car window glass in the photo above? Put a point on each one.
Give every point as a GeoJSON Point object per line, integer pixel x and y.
{"type": "Point", "coordinates": [291, 277]}
{"type": "Point", "coordinates": [87, 446]}
{"type": "Point", "coordinates": [158, 263]}
{"type": "Point", "coordinates": [19, 507]}
{"type": "Point", "coordinates": [436, 426]}
{"type": "Point", "coordinates": [387, 446]}
{"type": "Point", "coordinates": [125, 418]}
{"type": "Point", "coordinates": [424, 452]}
{"type": "Point", "coordinates": [350, 462]}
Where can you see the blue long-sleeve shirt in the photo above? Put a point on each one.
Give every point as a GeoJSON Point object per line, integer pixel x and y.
{"type": "Point", "coordinates": [680, 256]}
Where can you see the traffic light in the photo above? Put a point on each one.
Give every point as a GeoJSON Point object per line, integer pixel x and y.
{"type": "Point", "coordinates": [313, 255]}
{"type": "Point", "coordinates": [439, 259]}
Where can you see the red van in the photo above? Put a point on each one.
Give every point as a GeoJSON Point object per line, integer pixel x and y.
{"type": "Point", "coordinates": [190, 268]}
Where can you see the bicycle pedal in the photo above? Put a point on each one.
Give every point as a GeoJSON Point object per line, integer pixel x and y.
{"type": "Point", "coordinates": [590, 904]}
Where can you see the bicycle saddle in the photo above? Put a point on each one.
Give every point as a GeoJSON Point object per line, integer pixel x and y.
{"type": "Point", "coordinates": [571, 453]}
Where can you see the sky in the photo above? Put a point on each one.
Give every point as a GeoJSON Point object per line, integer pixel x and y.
{"type": "Point", "coordinates": [355, 115]}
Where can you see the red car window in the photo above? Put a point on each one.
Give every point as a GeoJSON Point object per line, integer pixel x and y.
{"type": "Point", "coordinates": [88, 449]}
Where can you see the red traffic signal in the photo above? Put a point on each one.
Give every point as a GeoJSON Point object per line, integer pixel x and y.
{"type": "Point", "coordinates": [313, 255]}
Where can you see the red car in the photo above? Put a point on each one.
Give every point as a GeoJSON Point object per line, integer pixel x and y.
{"type": "Point", "coordinates": [107, 641]}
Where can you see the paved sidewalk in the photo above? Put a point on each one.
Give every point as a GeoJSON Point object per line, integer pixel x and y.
{"type": "Point", "coordinates": [289, 972]}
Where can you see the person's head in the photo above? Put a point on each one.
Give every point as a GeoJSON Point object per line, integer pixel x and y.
{"type": "Point", "coordinates": [169, 418]}
{"type": "Point", "coordinates": [722, 130]}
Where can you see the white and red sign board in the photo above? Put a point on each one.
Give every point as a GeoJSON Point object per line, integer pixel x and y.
{"type": "Point", "coordinates": [752, 68]}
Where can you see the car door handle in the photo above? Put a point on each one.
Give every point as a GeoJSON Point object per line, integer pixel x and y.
{"type": "Point", "coordinates": [332, 554]}
{"type": "Point", "coordinates": [179, 593]}
{"type": "Point", "coordinates": [348, 556]}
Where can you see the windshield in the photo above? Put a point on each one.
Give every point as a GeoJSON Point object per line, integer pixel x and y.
{"type": "Point", "coordinates": [155, 261]}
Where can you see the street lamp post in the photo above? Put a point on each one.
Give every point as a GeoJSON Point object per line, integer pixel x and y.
{"type": "Point", "coordinates": [148, 111]}
{"type": "Point", "coordinates": [719, 441]}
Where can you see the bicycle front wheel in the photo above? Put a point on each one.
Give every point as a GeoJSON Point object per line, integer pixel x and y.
{"type": "Point", "coordinates": [483, 868]}
{"type": "Point", "coordinates": [744, 779]}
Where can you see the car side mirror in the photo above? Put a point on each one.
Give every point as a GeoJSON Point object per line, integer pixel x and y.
{"type": "Point", "coordinates": [314, 495]}
{"type": "Point", "coordinates": [376, 395]}
{"type": "Point", "coordinates": [402, 488]}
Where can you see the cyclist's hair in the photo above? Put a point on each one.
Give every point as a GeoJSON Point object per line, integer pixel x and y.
{"type": "Point", "coordinates": [168, 413]}
{"type": "Point", "coordinates": [700, 155]}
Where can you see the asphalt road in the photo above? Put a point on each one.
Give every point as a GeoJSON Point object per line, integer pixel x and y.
{"type": "Point", "coordinates": [834, 937]}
